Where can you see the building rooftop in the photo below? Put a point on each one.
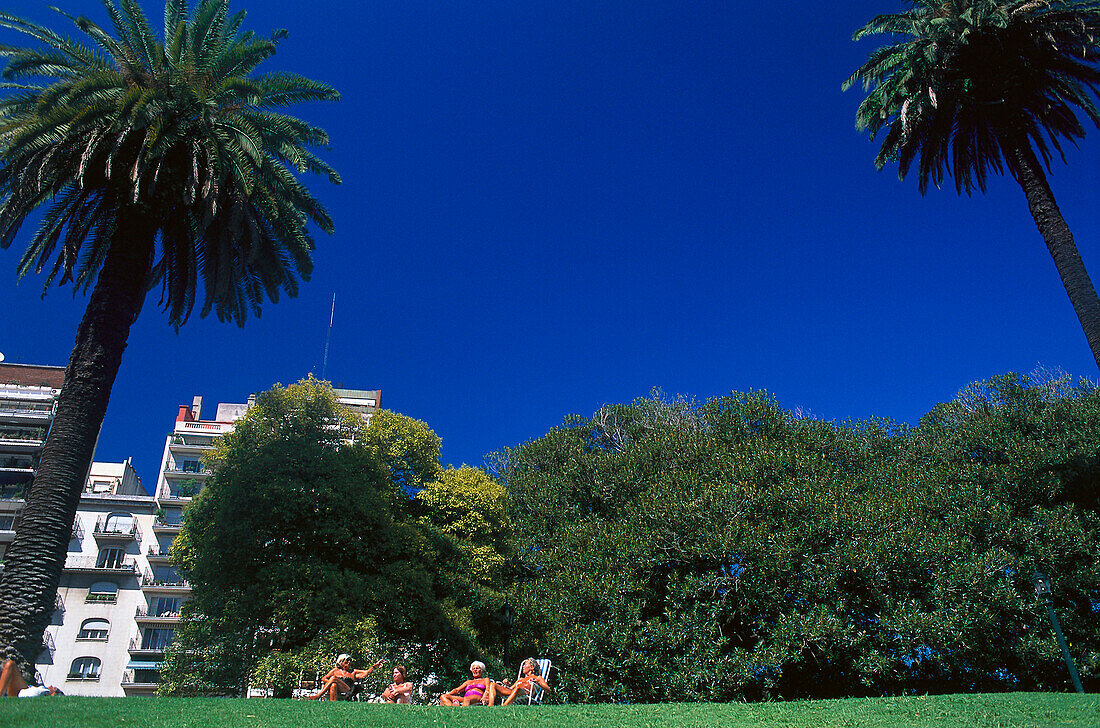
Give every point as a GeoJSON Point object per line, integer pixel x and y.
{"type": "Point", "coordinates": [32, 375]}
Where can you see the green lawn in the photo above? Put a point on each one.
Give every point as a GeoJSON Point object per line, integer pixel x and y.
{"type": "Point", "coordinates": [1018, 710]}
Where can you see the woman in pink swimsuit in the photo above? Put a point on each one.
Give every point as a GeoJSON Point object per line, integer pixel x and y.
{"type": "Point", "coordinates": [471, 692]}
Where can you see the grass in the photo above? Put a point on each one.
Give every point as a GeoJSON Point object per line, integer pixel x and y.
{"type": "Point", "coordinates": [1014, 710]}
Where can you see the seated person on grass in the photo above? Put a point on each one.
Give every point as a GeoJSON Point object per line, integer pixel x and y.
{"type": "Point", "coordinates": [400, 690]}
{"type": "Point", "coordinates": [339, 682]}
{"type": "Point", "coordinates": [528, 677]}
{"type": "Point", "coordinates": [471, 692]}
{"type": "Point", "coordinates": [13, 685]}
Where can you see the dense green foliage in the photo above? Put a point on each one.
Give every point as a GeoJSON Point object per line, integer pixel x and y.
{"type": "Point", "coordinates": [675, 551]}
{"type": "Point", "coordinates": [300, 531]}
{"type": "Point", "coordinates": [954, 711]}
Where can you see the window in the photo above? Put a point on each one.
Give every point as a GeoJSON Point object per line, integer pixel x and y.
{"type": "Point", "coordinates": [111, 558]}
{"type": "Point", "coordinates": [94, 629]}
{"type": "Point", "coordinates": [118, 523]}
{"type": "Point", "coordinates": [84, 668]}
{"type": "Point", "coordinates": [165, 575]}
{"type": "Point", "coordinates": [157, 639]}
{"type": "Point", "coordinates": [146, 676]}
{"type": "Point", "coordinates": [101, 486]}
{"type": "Point", "coordinates": [104, 592]}
{"type": "Point", "coordinates": [165, 606]}
{"type": "Point", "coordinates": [7, 523]}
{"type": "Point", "coordinates": [191, 466]}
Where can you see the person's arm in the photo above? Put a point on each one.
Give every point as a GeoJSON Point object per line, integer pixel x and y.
{"type": "Point", "coordinates": [403, 688]}
{"type": "Point", "coordinates": [360, 674]}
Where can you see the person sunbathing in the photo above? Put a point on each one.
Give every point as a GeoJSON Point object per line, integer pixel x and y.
{"type": "Point", "coordinates": [528, 677]}
{"type": "Point", "coordinates": [339, 682]}
{"type": "Point", "coordinates": [470, 692]}
{"type": "Point", "coordinates": [13, 685]}
{"type": "Point", "coordinates": [400, 690]}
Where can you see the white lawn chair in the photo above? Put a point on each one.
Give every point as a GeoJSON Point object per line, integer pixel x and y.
{"type": "Point", "coordinates": [536, 695]}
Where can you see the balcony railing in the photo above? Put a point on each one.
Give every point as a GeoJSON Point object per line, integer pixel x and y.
{"type": "Point", "coordinates": [143, 613]}
{"type": "Point", "coordinates": [86, 676]}
{"type": "Point", "coordinates": [59, 604]}
{"type": "Point", "coordinates": [137, 646]}
{"type": "Point", "coordinates": [78, 531]}
{"type": "Point", "coordinates": [91, 563]}
{"type": "Point", "coordinates": [47, 642]}
{"type": "Point", "coordinates": [129, 681]}
{"type": "Point", "coordinates": [171, 468]}
{"type": "Point", "coordinates": [153, 552]}
{"type": "Point", "coordinates": [148, 580]}
{"type": "Point", "coordinates": [116, 532]}
{"type": "Point", "coordinates": [159, 522]}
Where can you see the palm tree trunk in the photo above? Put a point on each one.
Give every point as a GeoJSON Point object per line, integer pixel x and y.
{"type": "Point", "coordinates": [32, 566]}
{"type": "Point", "coordinates": [1052, 226]}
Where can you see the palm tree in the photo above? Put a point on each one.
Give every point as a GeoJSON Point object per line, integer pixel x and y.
{"type": "Point", "coordinates": [158, 163]}
{"type": "Point", "coordinates": [974, 86]}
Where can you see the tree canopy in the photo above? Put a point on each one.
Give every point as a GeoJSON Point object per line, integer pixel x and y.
{"type": "Point", "coordinates": [300, 528]}
{"type": "Point", "coordinates": [675, 550]}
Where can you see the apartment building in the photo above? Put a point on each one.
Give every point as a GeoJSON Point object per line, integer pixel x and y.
{"type": "Point", "coordinates": [28, 401]}
{"type": "Point", "coordinates": [107, 592]}
{"type": "Point", "coordinates": [119, 599]}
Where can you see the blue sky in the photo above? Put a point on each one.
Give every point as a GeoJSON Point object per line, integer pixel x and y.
{"type": "Point", "coordinates": [549, 206]}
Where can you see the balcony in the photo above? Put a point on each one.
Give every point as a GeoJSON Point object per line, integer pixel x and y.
{"type": "Point", "coordinates": [47, 643]}
{"type": "Point", "coordinates": [151, 652]}
{"type": "Point", "coordinates": [176, 585]}
{"type": "Point", "coordinates": [116, 532]}
{"type": "Point", "coordinates": [142, 616]}
{"type": "Point", "coordinates": [15, 415]}
{"type": "Point", "coordinates": [7, 528]}
{"type": "Point", "coordinates": [196, 445]}
{"type": "Point", "coordinates": [186, 470]}
{"type": "Point", "coordinates": [155, 556]}
{"type": "Point", "coordinates": [78, 531]}
{"type": "Point", "coordinates": [89, 564]}
{"type": "Point", "coordinates": [133, 685]}
{"type": "Point", "coordinates": [162, 526]}
{"type": "Point", "coordinates": [22, 442]}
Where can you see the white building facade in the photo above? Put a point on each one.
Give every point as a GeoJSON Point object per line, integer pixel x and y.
{"type": "Point", "coordinates": [119, 599]}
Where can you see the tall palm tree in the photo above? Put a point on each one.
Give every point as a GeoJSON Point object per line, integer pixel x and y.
{"type": "Point", "coordinates": [974, 86]}
{"type": "Point", "coordinates": [159, 163]}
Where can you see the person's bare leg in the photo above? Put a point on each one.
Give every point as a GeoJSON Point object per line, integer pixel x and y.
{"type": "Point", "coordinates": [512, 697]}
{"type": "Point", "coordinates": [11, 680]}
{"type": "Point", "coordinates": [492, 693]}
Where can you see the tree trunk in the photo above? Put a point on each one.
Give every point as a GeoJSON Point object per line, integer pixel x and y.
{"type": "Point", "coordinates": [1052, 226]}
{"type": "Point", "coordinates": [32, 566]}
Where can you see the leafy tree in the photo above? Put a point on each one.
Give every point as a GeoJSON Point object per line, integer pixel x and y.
{"type": "Point", "coordinates": [468, 505]}
{"type": "Point", "coordinates": [160, 162]}
{"type": "Point", "coordinates": [299, 529]}
{"type": "Point", "coordinates": [407, 447]}
{"type": "Point", "coordinates": [725, 550]}
{"type": "Point", "coordinates": [970, 87]}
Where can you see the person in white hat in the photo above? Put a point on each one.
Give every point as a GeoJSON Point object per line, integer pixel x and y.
{"type": "Point", "coordinates": [339, 682]}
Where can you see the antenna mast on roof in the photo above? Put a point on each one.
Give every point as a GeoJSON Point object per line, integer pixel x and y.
{"type": "Point", "coordinates": [324, 361]}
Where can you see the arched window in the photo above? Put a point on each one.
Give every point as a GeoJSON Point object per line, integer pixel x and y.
{"type": "Point", "coordinates": [105, 592]}
{"type": "Point", "coordinates": [84, 668]}
{"type": "Point", "coordinates": [118, 523]}
{"type": "Point", "coordinates": [94, 629]}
